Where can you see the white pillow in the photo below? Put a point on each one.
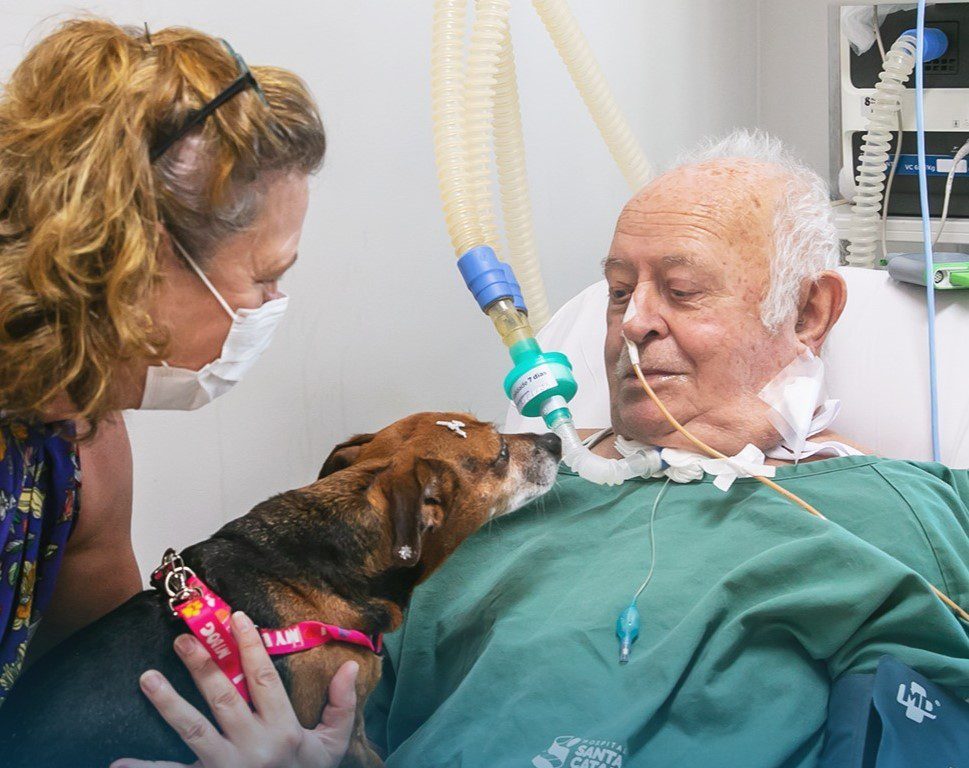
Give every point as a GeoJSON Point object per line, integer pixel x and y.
{"type": "Point", "coordinates": [877, 363]}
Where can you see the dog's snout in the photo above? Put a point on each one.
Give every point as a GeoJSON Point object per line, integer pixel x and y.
{"type": "Point", "coordinates": [551, 443]}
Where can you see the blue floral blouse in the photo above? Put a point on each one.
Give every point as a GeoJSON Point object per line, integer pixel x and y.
{"type": "Point", "coordinates": [39, 484]}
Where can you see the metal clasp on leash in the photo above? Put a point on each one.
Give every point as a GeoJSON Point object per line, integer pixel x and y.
{"type": "Point", "coordinates": [174, 576]}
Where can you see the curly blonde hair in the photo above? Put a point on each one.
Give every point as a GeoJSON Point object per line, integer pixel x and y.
{"type": "Point", "coordinates": [82, 207]}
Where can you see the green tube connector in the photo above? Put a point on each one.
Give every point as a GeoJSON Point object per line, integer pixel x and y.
{"type": "Point", "coordinates": [541, 383]}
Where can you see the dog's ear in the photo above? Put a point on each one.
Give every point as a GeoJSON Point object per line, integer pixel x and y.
{"type": "Point", "coordinates": [343, 455]}
{"type": "Point", "coordinates": [418, 495]}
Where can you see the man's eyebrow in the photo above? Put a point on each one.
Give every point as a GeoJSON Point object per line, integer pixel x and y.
{"type": "Point", "coordinates": [670, 260]}
{"type": "Point", "coordinates": [614, 262]}
{"type": "Point", "coordinates": [680, 260]}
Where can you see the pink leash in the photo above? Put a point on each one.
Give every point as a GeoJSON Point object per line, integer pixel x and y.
{"type": "Point", "coordinates": [207, 617]}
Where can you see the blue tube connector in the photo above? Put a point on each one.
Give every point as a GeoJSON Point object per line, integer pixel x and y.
{"type": "Point", "coordinates": [627, 630]}
{"type": "Point", "coordinates": [934, 44]}
{"type": "Point", "coordinates": [489, 279]}
{"type": "Point", "coordinates": [516, 289]}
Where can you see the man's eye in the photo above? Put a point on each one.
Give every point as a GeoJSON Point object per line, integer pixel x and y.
{"type": "Point", "coordinates": [683, 295]}
{"type": "Point", "coordinates": [618, 294]}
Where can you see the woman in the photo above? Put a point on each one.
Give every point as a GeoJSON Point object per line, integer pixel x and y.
{"type": "Point", "coordinates": [152, 194]}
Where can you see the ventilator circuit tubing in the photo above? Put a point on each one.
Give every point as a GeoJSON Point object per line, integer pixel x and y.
{"type": "Point", "coordinates": [587, 77]}
{"type": "Point", "coordinates": [516, 207]}
{"type": "Point", "coordinates": [896, 70]}
{"type": "Point", "coordinates": [448, 109]}
{"type": "Point", "coordinates": [476, 100]}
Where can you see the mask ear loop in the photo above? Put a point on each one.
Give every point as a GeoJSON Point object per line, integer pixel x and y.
{"type": "Point", "coordinates": [208, 283]}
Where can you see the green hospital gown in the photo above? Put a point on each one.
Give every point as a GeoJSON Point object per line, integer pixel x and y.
{"type": "Point", "coordinates": [508, 655]}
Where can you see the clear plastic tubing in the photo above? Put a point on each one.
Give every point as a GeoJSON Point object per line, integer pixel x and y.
{"type": "Point", "coordinates": [516, 207]}
{"type": "Point", "coordinates": [476, 99]}
{"type": "Point", "coordinates": [598, 469]}
{"type": "Point", "coordinates": [581, 64]}
{"type": "Point", "coordinates": [447, 106]}
{"type": "Point", "coordinates": [866, 208]}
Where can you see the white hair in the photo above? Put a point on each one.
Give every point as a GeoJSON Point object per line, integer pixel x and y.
{"type": "Point", "coordinates": [805, 240]}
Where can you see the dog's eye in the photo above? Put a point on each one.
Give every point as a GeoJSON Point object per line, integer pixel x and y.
{"type": "Point", "coordinates": [432, 500]}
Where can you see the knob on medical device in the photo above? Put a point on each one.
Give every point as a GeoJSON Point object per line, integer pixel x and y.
{"type": "Point", "coordinates": [541, 383]}
{"type": "Point", "coordinates": [934, 42]}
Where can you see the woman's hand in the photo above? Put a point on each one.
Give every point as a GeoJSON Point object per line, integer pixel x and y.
{"type": "Point", "coordinates": [269, 737]}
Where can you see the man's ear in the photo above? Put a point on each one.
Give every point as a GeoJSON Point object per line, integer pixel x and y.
{"type": "Point", "coordinates": [820, 309]}
{"type": "Point", "coordinates": [343, 455]}
{"type": "Point", "coordinates": [418, 495]}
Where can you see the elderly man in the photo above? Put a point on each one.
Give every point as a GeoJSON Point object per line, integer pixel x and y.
{"type": "Point", "coordinates": [508, 657]}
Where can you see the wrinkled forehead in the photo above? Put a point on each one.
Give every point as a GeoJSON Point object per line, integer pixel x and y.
{"type": "Point", "coordinates": [721, 210]}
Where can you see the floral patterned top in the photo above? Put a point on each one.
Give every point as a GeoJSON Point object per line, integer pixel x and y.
{"type": "Point", "coordinates": [39, 484]}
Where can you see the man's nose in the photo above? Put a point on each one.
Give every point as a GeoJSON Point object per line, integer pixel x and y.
{"type": "Point", "coordinates": [644, 319]}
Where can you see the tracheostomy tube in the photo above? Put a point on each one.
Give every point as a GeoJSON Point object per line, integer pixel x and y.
{"type": "Point", "coordinates": [541, 383]}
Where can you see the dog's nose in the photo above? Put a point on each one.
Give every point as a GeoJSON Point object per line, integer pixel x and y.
{"type": "Point", "coordinates": [551, 443]}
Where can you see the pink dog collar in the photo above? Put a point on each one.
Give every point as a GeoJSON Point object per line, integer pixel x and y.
{"type": "Point", "coordinates": [207, 617]}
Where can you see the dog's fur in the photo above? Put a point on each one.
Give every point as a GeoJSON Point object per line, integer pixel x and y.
{"type": "Point", "coordinates": [348, 549]}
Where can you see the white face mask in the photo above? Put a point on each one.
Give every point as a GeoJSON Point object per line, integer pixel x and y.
{"type": "Point", "coordinates": [182, 389]}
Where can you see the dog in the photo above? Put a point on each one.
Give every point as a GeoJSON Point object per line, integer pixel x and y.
{"type": "Point", "coordinates": [348, 550]}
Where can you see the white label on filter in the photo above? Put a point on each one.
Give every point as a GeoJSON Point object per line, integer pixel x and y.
{"type": "Point", "coordinates": [539, 379]}
{"type": "Point", "coordinates": [867, 105]}
{"type": "Point", "coordinates": [944, 165]}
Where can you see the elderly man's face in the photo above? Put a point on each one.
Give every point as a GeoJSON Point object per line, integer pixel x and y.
{"type": "Point", "coordinates": [687, 271]}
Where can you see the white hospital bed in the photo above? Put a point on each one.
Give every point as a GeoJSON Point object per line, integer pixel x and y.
{"type": "Point", "coordinates": [877, 363]}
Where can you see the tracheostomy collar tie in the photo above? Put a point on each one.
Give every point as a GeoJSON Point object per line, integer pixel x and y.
{"type": "Point", "coordinates": [685, 466]}
{"type": "Point", "coordinates": [800, 408]}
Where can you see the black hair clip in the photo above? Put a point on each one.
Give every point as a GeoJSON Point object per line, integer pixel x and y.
{"type": "Point", "coordinates": [198, 116]}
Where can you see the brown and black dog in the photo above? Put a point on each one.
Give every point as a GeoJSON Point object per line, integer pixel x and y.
{"type": "Point", "coordinates": [348, 549]}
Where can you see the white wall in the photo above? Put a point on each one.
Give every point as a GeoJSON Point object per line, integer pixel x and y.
{"type": "Point", "coordinates": [792, 75]}
{"type": "Point", "coordinates": [380, 324]}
